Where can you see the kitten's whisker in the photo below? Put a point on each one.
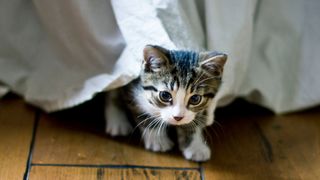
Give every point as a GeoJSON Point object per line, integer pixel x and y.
{"type": "Point", "coordinates": [155, 116]}
{"type": "Point", "coordinates": [193, 125]}
{"type": "Point", "coordinates": [147, 128]}
{"type": "Point", "coordinates": [215, 133]}
{"type": "Point", "coordinates": [150, 124]}
{"type": "Point", "coordinates": [142, 114]}
{"type": "Point", "coordinates": [156, 125]}
{"type": "Point", "coordinates": [143, 121]}
{"type": "Point", "coordinates": [201, 123]}
{"type": "Point", "coordinates": [217, 123]}
{"type": "Point", "coordinates": [208, 135]}
{"type": "Point", "coordinates": [203, 118]}
{"type": "Point", "coordinates": [190, 126]}
{"type": "Point", "coordinates": [140, 123]}
{"type": "Point", "coordinates": [164, 127]}
{"type": "Point", "coordinates": [160, 132]}
{"type": "Point", "coordinates": [159, 128]}
{"type": "Point", "coordinates": [219, 127]}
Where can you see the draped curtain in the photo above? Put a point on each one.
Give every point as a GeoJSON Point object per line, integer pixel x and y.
{"type": "Point", "coordinates": [57, 54]}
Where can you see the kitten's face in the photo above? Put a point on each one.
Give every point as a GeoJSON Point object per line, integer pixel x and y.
{"type": "Point", "coordinates": [178, 86]}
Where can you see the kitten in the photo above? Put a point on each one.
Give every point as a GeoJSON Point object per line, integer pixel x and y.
{"type": "Point", "coordinates": [175, 88]}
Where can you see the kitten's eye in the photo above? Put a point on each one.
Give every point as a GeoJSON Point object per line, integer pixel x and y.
{"type": "Point", "coordinates": [195, 99]}
{"type": "Point", "coordinates": [165, 96]}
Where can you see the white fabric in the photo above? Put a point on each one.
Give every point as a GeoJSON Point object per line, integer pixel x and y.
{"type": "Point", "coordinates": [3, 90]}
{"type": "Point", "coordinates": [58, 54]}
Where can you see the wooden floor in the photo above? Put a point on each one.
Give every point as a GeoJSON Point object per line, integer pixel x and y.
{"type": "Point", "coordinates": [248, 143]}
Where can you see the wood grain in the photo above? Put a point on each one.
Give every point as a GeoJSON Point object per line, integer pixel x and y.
{"type": "Point", "coordinates": [78, 137]}
{"type": "Point", "coordinates": [79, 173]}
{"type": "Point", "coordinates": [267, 147]}
{"type": "Point", "coordinates": [249, 143]}
{"type": "Point", "coordinates": [16, 126]}
{"type": "Point", "coordinates": [295, 142]}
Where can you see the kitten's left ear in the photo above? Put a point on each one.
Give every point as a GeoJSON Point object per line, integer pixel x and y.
{"type": "Point", "coordinates": [213, 63]}
{"type": "Point", "coordinates": [155, 58]}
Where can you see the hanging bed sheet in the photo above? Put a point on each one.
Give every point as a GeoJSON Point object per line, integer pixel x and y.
{"type": "Point", "coordinates": [58, 54]}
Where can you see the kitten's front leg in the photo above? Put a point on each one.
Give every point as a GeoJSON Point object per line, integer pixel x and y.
{"type": "Point", "coordinates": [192, 144]}
{"type": "Point", "coordinates": [117, 123]}
{"type": "Point", "coordinates": [156, 140]}
{"type": "Point", "coordinates": [210, 110]}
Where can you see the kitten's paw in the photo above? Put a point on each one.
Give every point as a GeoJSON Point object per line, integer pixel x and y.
{"type": "Point", "coordinates": [117, 123]}
{"type": "Point", "coordinates": [119, 129]}
{"type": "Point", "coordinates": [199, 152]}
{"type": "Point", "coordinates": [157, 143]}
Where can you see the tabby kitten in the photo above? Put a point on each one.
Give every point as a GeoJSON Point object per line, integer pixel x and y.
{"type": "Point", "coordinates": [175, 88]}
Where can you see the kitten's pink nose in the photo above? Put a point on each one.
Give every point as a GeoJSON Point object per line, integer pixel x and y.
{"type": "Point", "coordinates": [177, 118]}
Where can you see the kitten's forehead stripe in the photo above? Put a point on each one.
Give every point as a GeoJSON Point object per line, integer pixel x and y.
{"type": "Point", "coordinates": [184, 58]}
{"type": "Point", "coordinates": [166, 84]}
{"type": "Point", "coordinates": [184, 61]}
{"type": "Point", "coordinates": [191, 80]}
{"type": "Point", "coordinates": [193, 73]}
{"type": "Point", "coordinates": [172, 84]}
{"type": "Point", "coordinates": [177, 82]}
{"type": "Point", "coordinates": [174, 71]}
{"type": "Point", "coordinates": [192, 88]}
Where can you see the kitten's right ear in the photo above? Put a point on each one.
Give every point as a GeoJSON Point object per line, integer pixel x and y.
{"type": "Point", "coordinates": [155, 58]}
{"type": "Point", "coordinates": [213, 62]}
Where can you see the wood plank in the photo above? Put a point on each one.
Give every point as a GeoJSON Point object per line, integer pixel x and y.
{"type": "Point", "coordinates": [79, 173]}
{"type": "Point", "coordinates": [78, 137]}
{"type": "Point", "coordinates": [16, 126]}
{"type": "Point", "coordinates": [237, 153]}
{"type": "Point", "coordinates": [266, 147]}
{"type": "Point", "coordinates": [295, 142]}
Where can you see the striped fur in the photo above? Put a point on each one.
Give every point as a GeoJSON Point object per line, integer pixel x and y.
{"type": "Point", "coordinates": [182, 74]}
